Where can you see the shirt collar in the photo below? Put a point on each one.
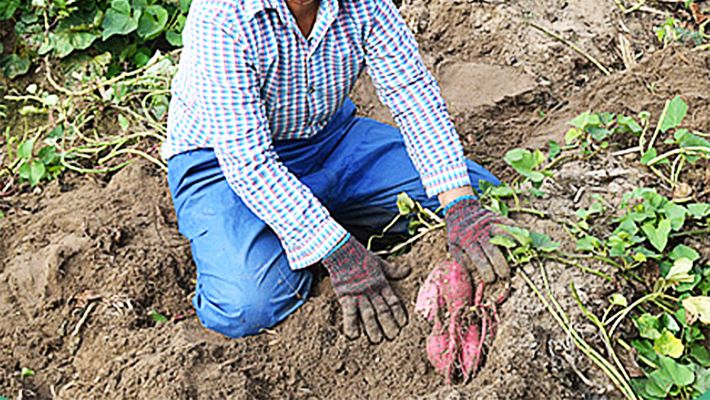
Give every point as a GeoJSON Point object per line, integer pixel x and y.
{"type": "Point", "coordinates": [253, 7]}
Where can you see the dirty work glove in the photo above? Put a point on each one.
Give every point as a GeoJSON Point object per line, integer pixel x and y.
{"type": "Point", "coordinates": [358, 277]}
{"type": "Point", "coordinates": [470, 228]}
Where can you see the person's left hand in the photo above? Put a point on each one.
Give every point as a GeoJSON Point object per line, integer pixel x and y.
{"type": "Point", "coordinates": [470, 228]}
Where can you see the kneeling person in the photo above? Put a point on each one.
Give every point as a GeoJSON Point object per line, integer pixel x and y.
{"type": "Point", "coordinates": [271, 172]}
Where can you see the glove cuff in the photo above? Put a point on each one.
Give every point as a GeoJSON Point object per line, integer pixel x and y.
{"type": "Point", "coordinates": [340, 244]}
{"type": "Point", "coordinates": [343, 255]}
{"type": "Point", "coordinates": [457, 201]}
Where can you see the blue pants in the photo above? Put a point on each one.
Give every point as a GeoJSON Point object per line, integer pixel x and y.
{"type": "Point", "coordinates": [356, 167]}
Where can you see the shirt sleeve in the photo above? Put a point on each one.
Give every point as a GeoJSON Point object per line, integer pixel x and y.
{"type": "Point", "coordinates": [227, 96]}
{"type": "Point", "coordinates": [405, 86]}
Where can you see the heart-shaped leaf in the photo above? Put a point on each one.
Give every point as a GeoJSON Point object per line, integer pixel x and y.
{"type": "Point", "coordinates": [675, 112]}
{"type": "Point", "coordinates": [657, 235]}
{"type": "Point", "coordinates": [668, 345]}
{"type": "Point", "coordinates": [697, 308]}
{"type": "Point", "coordinates": [152, 22]}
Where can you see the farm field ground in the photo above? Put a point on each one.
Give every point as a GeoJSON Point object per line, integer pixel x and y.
{"type": "Point", "coordinates": [85, 259]}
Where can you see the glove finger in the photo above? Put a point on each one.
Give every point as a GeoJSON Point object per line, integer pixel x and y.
{"type": "Point", "coordinates": [369, 321]}
{"type": "Point", "coordinates": [351, 323]}
{"type": "Point", "coordinates": [389, 326]}
{"type": "Point", "coordinates": [496, 257]}
{"type": "Point", "coordinates": [458, 254]}
{"type": "Point", "coordinates": [484, 267]}
{"type": "Point", "coordinates": [398, 310]}
{"type": "Point", "coordinates": [395, 271]}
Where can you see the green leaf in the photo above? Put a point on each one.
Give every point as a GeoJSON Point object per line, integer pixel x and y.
{"type": "Point", "coordinates": [48, 155]}
{"type": "Point", "coordinates": [639, 257]}
{"type": "Point", "coordinates": [585, 120]}
{"type": "Point", "coordinates": [628, 124]}
{"type": "Point", "coordinates": [519, 234]}
{"type": "Point", "coordinates": [174, 38]}
{"type": "Point", "coordinates": [676, 214]}
{"type": "Point", "coordinates": [649, 155]}
{"type": "Point", "coordinates": [82, 40]}
{"type": "Point", "coordinates": [686, 139]}
{"type": "Point", "coordinates": [598, 133]}
{"type": "Point", "coordinates": [25, 372]}
{"type": "Point", "coordinates": [555, 149]}
{"type": "Point", "coordinates": [702, 382]}
{"type": "Point", "coordinates": [645, 348]}
{"type": "Point", "coordinates": [679, 272]}
{"type": "Point", "coordinates": [8, 8]}
{"type": "Point", "coordinates": [697, 308]}
{"type": "Point", "coordinates": [503, 241]}
{"type": "Point", "coordinates": [62, 44]}
{"type": "Point", "coordinates": [700, 354]}
{"type": "Point", "coordinates": [657, 235]}
{"type": "Point", "coordinates": [37, 172]}
{"type": "Point", "coordinates": [618, 299]}
{"type": "Point", "coordinates": [405, 204]}
{"type": "Point", "coordinates": [24, 150]}
{"type": "Point", "coordinates": [118, 20]}
{"type": "Point", "coordinates": [542, 242]}
{"type": "Point", "coordinates": [683, 251]}
{"type": "Point", "coordinates": [681, 375]}
{"type": "Point", "coordinates": [588, 243]}
{"type": "Point", "coordinates": [152, 22]}
{"type": "Point", "coordinates": [121, 6]}
{"type": "Point", "coordinates": [524, 162]}
{"type": "Point", "coordinates": [123, 122]}
{"type": "Point", "coordinates": [676, 111]}
{"type": "Point", "coordinates": [659, 383]}
{"type": "Point", "coordinates": [158, 317]}
{"type": "Point", "coordinates": [142, 56]}
{"type": "Point", "coordinates": [699, 210]}
{"type": "Point", "coordinates": [668, 322]}
{"type": "Point", "coordinates": [572, 135]}
{"type": "Point", "coordinates": [14, 66]}
{"type": "Point", "coordinates": [185, 5]}
{"type": "Point", "coordinates": [503, 190]}
{"type": "Point", "coordinates": [648, 326]}
{"type": "Point", "coordinates": [668, 345]}
{"type": "Point", "coordinates": [24, 170]}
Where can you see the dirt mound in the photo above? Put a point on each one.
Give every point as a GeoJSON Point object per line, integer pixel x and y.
{"type": "Point", "coordinates": [83, 265]}
{"type": "Point", "coordinates": [87, 266]}
{"type": "Point", "coordinates": [84, 268]}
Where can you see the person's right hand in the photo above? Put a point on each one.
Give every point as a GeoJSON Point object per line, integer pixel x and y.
{"type": "Point", "coordinates": [358, 277]}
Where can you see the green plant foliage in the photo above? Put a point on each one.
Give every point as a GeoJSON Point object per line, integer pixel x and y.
{"type": "Point", "coordinates": [158, 317]}
{"type": "Point", "coordinates": [677, 109]}
{"type": "Point", "coordinates": [129, 30]}
{"type": "Point", "coordinates": [7, 8]}
{"type": "Point", "coordinates": [593, 131]}
{"type": "Point", "coordinates": [36, 167]}
{"type": "Point", "coordinates": [642, 238]}
{"type": "Point", "coordinates": [527, 163]}
{"type": "Point", "coordinates": [14, 65]}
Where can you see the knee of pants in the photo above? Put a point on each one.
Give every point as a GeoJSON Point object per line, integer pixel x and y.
{"type": "Point", "coordinates": [238, 310]}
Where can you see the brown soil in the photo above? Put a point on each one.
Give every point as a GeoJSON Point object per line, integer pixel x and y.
{"type": "Point", "coordinates": [83, 262]}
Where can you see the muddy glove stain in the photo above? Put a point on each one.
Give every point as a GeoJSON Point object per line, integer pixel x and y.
{"type": "Point", "coordinates": [359, 280]}
{"type": "Point", "coordinates": [469, 229]}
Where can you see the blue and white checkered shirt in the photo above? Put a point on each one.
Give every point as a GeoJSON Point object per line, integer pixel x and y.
{"type": "Point", "coordinates": [248, 77]}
